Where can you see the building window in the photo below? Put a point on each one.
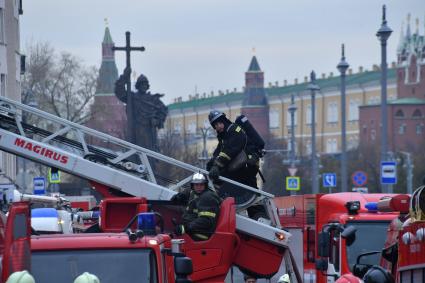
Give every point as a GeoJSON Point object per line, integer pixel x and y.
{"type": "Point", "coordinates": [417, 114]}
{"type": "Point", "coordinates": [191, 128]}
{"type": "Point", "coordinates": [331, 146]}
{"type": "Point", "coordinates": [373, 135]}
{"type": "Point", "coordinates": [353, 110]}
{"type": "Point", "coordinates": [308, 147]}
{"type": "Point", "coordinates": [1, 25]}
{"type": "Point", "coordinates": [419, 129]}
{"type": "Point", "coordinates": [308, 115]}
{"type": "Point", "coordinates": [402, 129]}
{"type": "Point", "coordinates": [288, 119]}
{"type": "Point", "coordinates": [274, 119]}
{"type": "Point", "coordinates": [18, 67]}
{"type": "Point", "coordinates": [2, 84]}
{"type": "Point", "coordinates": [177, 128]}
{"type": "Point", "coordinates": [399, 114]}
{"type": "Point", "coordinates": [353, 142]}
{"type": "Point", "coordinates": [332, 114]}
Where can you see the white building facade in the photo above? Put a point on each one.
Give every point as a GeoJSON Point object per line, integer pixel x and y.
{"type": "Point", "coordinates": [10, 70]}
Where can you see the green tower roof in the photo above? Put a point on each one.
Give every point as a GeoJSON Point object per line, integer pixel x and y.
{"type": "Point", "coordinates": [107, 38]}
{"type": "Point", "coordinates": [253, 66]}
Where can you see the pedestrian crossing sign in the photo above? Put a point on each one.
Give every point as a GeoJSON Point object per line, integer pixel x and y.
{"type": "Point", "coordinates": [293, 183]}
{"type": "Point", "coordinates": [54, 176]}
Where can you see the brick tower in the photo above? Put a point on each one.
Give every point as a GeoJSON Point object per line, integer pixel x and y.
{"type": "Point", "coordinates": [411, 63]}
{"type": "Point", "coordinates": [254, 104]}
{"type": "Point", "coordinates": [108, 113]}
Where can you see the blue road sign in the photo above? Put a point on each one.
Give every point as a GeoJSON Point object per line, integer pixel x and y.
{"type": "Point", "coordinates": [388, 172]}
{"type": "Point", "coordinates": [39, 185]}
{"type": "Point", "coordinates": [292, 183]}
{"type": "Point", "coordinates": [329, 180]}
{"type": "Point", "coordinates": [359, 178]}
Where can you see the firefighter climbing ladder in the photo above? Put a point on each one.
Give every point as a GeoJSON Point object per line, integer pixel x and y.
{"type": "Point", "coordinates": [68, 146]}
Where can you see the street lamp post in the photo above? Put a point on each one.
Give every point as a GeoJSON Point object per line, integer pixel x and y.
{"type": "Point", "coordinates": [292, 108]}
{"type": "Point", "coordinates": [383, 34]}
{"type": "Point", "coordinates": [342, 67]}
{"type": "Point", "coordinates": [409, 171]}
{"type": "Point", "coordinates": [313, 87]}
{"type": "Point", "coordinates": [204, 155]}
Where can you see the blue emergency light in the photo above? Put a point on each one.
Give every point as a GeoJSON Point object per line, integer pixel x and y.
{"type": "Point", "coordinates": [371, 206]}
{"type": "Point", "coordinates": [146, 223]}
{"type": "Point", "coordinates": [44, 212]}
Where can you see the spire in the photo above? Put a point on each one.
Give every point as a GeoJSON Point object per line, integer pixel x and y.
{"type": "Point", "coordinates": [408, 33]}
{"type": "Point", "coordinates": [417, 26]}
{"type": "Point", "coordinates": [107, 38]}
{"type": "Point", "coordinates": [254, 66]}
{"type": "Point", "coordinates": [401, 41]}
{"type": "Point", "coordinates": [108, 72]}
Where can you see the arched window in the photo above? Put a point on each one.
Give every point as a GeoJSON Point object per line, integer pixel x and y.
{"type": "Point", "coordinates": [399, 114]}
{"type": "Point", "coordinates": [402, 129]}
{"type": "Point", "coordinates": [419, 129]}
{"type": "Point", "coordinates": [417, 114]}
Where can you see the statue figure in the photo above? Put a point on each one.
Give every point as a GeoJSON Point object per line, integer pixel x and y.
{"type": "Point", "coordinates": [145, 111]}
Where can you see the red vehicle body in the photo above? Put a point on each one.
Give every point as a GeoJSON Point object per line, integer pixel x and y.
{"type": "Point", "coordinates": [113, 257]}
{"type": "Point", "coordinates": [317, 224]}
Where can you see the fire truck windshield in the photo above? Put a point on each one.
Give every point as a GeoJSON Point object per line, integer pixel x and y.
{"type": "Point", "coordinates": [110, 266]}
{"type": "Point", "coordinates": [370, 236]}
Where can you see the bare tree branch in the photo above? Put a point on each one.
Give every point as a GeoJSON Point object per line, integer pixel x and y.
{"type": "Point", "coordinates": [59, 83]}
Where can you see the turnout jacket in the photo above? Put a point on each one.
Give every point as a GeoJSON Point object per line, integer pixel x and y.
{"type": "Point", "coordinates": [200, 216]}
{"type": "Point", "coordinates": [230, 143]}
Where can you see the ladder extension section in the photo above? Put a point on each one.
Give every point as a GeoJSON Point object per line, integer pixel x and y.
{"type": "Point", "coordinates": [73, 148]}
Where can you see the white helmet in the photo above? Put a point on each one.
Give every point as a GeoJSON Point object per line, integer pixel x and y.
{"type": "Point", "coordinates": [87, 278]}
{"type": "Point", "coordinates": [20, 277]}
{"type": "Point", "coordinates": [199, 178]}
{"type": "Point", "coordinates": [284, 279]}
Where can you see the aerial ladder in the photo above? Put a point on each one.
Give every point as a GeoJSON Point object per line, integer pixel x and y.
{"type": "Point", "coordinates": [115, 165]}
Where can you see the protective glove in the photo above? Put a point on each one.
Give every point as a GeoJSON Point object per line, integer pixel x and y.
{"type": "Point", "coordinates": [210, 164]}
{"type": "Point", "coordinates": [175, 198]}
{"type": "Point", "coordinates": [179, 230]}
{"type": "Point", "coordinates": [214, 172]}
{"type": "Point", "coordinates": [253, 160]}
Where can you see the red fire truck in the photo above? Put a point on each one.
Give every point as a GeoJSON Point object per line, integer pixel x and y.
{"type": "Point", "coordinates": [111, 256]}
{"type": "Point", "coordinates": [237, 240]}
{"type": "Point", "coordinates": [329, 231]}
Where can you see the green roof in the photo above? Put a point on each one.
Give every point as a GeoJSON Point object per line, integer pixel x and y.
{"type": "Point", "coordinates": [400, 101]}
{"type": "Point", "coordinates": [107, 38]}
{"type": "Point", "coordinates": [354, 79]}
{"type": "Point", "coordinates": [407, 100]}
{"type": "Point", "coordinates": [254, 66]}
{"type": "Point", "coordinates": [234, 96]}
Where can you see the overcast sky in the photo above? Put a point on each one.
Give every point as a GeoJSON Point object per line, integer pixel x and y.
{"type": "Point", "coordinates": [207, 45]}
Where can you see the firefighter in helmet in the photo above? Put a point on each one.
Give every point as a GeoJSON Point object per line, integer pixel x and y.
{"type": "Point", "coordinates": [284, 279]}
{"type": "Point", "coordinates": [20, 277]}
{"type": "Point", "coordinates": [202, 208]}
{"type": "Point", "coordinates": [230, 159]}
{"type": "Point", "coordinates": [87, 278]}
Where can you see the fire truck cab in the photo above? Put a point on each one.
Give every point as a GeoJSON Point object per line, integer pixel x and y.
{"type": "Point", "coordinates": [111, 254]}
{"type": "Point", "coordinates": [330, 232]}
